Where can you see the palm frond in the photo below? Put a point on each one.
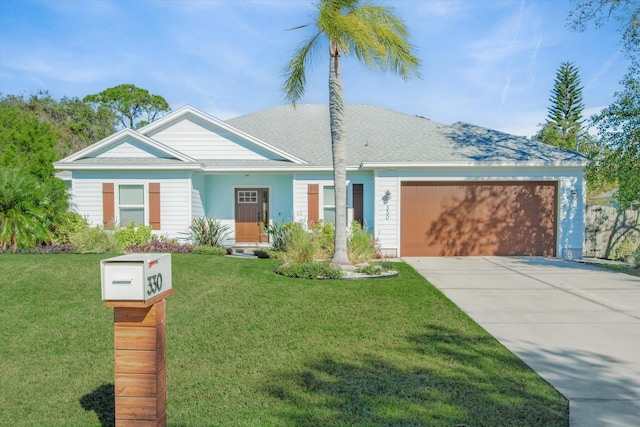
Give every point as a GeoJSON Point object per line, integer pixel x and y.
{"type": "Point", "coordinates": [295, 71]}
{"type": "Point", "coordinates": [377, 37]}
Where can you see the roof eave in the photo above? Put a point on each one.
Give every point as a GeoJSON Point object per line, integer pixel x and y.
{"type": "Point", "coordinates": [474, 164]}
{"type": "Point", "coordinates": [63, 166]}
{"type": "Point", "coordinates": [296, 168]}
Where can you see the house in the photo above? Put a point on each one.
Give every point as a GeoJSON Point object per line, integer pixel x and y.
{"type": "Point", "coordinates": [421, 187]}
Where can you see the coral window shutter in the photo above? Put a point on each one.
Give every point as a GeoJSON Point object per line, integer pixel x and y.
{"type": "Point", "coordinates": [108, 205]}
{"type": "Point", "coordinates": [313, 205]}
{"type": "Point", "coordinates": [154, 205]}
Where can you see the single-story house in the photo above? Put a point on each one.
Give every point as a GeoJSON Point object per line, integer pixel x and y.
{"type": "Point", "coordinates": [422, 188]}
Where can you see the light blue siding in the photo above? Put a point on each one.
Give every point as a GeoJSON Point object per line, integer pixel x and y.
{"type": "Point", "coordinates": [198, 195]}
{"type": "Point", "coordinates": [220, 202]}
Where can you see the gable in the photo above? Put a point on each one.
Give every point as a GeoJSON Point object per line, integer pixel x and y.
{"type": "Point", "coordinates": [202, 139]}
{"type": "Point", "coordinates": [129, 147]}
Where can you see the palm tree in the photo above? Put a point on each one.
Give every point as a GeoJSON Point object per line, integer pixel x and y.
{"type": "Point", "coordinates": [378, 39]}
{"type": "Point", "coordinates": [23, 215]}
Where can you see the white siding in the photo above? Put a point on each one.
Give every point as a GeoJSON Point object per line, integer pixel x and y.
{"type": "Point", "coordinates": [301, 187]}
{"type": "Point", "coordinates": [130, 148]}
{"type": "Point", "coordinates": [202, 140]}
{"type": "Point", "coordinates": [175, 195]}
{"type": "Point", "coordinates": [301, 190]}
{"type": "Point", "coordinates": [571, 201]}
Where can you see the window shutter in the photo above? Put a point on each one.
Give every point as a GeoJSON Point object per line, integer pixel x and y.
{"type": "Point", "coordinates": [108, 204]}
{"type": "Point", "coordinates": [358, 203]}
{"type": "Point", "coordinates": [154, 205]}
{"type": "Point", "coordinates": [313, 205]}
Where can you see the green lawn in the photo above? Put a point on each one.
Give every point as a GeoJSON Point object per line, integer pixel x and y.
{"type": "Point", "coordinates": [246, 347]}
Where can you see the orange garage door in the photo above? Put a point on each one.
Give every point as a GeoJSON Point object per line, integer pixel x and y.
{"type": "Point", "coordinates": [478, 218]}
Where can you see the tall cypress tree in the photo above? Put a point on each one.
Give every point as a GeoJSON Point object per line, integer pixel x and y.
{"type": "Point", "coordinates": [564, 120]}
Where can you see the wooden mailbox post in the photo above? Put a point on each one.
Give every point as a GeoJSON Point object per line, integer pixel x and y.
{"type": "Point", "coordinates": [137, 286]}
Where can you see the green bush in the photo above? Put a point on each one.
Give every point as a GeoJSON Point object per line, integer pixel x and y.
{"type": "Point", "coordinates": [209, 250]}
{"type": "Point", "coordinates": [301, 247]}
{"type": "Point", "coordinates": [208, 232]}
{"type": "Point", "coordinates": [66, 225]}
{"type": "Point", "coordinates": [309, 270]}
{"type": "Point", "coordinates": [624, 249]}
{"type": "Point", "coordinates": [361, 246]}
{"type": "Point", "coordinates": [370, 269]}
{"type": "Point", "coordinates": [266, 254]}
{"type": "Point", "coordinates": [279, 233]}
{"type": "Point", "coordinates": [324, 234]}
{"type": "Point", "coordinates": [636, 257]}
{"type": "Point", "coordinates": [24, 216]}
{"type": "Point", "coordinates": [133, 235]}
{"type": "Point", "coordinates": [374, 269]}
{"type": "Point", "coordinates": [163, 246]}
{"type": "Point", "coordinates": [95, 240]}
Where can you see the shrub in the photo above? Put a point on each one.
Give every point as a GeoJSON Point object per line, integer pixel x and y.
{"type": "Point", "coordinates": [309, 270]}
{"type": "Point", "coordinates": [279, 233]}
{"type": "Point", "coordinates": [66, 225]}
{"type": "Point", "coordinates": [374, 269]}
{"type": "Point", "coordinates": [266, 254]}
{"type": "Point", "coordinates": [370, 269]}
{"type": "Point", "coordinates": [301, 246]}
{"type": "Point", "coordinates": [209, 250]}
{"type": "Point", "coordinates": [361, 246]}
{"type": "Point", "coordinates": [95, 240]}
{"type": "Point", "coordinates": [162, 246]}
{"type": "Point", "coordinates": [64, 248]}
{"type": "Point", "coordinates": [625, 248]}
{"type": "Point", "coordinates": [636, 257]}
{"type": "Point", "coordinates": [24, 215]}
{"type": "Point", "coordinates": [133, 235]}
{"type": "Point", "coordinates": [324, 234]}
{"type": "Point", "coordinates": [207, 232]}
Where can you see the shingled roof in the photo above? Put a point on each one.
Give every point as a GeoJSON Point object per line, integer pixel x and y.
{"type": "Point", "coordinates": [376, 135]}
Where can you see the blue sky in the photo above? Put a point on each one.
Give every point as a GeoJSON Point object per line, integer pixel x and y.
{"type": "Point", "coordinates": [487, 62]}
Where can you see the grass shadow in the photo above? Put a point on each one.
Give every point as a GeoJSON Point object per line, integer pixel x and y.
{"type": "Point", "coordinates": [102, 400]}
{"type": "Point", "coordinates": [456, 380]}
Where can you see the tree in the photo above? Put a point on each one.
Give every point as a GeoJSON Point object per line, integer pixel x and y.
{"type": "Point", "coordinates": [619, 128]}
{"type": "Point", "coordinates": [130, 103]}
{"type": "Point", "coordinates": [26, 142]}
{"type": "Point", "coordinates": [31, 198]}
{"type": "Point", "coordinates": [564, 120]}
{"type": "Point", "coordinates": [23, 215]}
{"type": "Point", "coordinates": [76, 123]}
{"type": "Point", "coordinates": [625, 12]}
{"type": "Point", "coordinates": [617, 160]}
{"type": "Point", "coordinates": [378, 39]}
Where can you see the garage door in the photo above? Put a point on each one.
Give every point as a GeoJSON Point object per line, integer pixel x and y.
{"type": "Point", "coordinates": [478, 218]}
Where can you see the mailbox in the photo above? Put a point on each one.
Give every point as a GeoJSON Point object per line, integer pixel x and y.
{"type": "Point", "coordinates": [135, 277]}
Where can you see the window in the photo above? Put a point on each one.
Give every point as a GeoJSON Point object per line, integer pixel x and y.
{"type": "Point", "coordinates": [131, 204]}
{"type": "Point", "coordinates": [247, 196]}
{"type": "Point", "coordinates": [329, 204]}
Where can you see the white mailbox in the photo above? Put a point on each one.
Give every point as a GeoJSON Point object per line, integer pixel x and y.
{"type": "Point", "coordinates": [135, 277]}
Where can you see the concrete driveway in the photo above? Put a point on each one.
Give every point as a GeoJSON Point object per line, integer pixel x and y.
{"type": "Point", "coordinates": [577, 325]}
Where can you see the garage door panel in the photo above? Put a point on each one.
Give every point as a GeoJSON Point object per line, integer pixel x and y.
{"type": "Point", "coordinates": [489, 218]}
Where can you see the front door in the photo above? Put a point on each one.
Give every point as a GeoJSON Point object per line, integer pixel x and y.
{"type": "Point", "coordinates": [252, 213]}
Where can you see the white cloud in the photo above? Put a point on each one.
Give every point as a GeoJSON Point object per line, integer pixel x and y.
{"type": "Point", "coordinates": [603, 69]}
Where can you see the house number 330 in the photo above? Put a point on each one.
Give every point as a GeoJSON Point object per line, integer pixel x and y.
{"type": "Point", "coordinates": [154, 284]}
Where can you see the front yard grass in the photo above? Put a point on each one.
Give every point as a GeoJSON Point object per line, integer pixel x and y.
{"type": "Point", "coordinates": [248, 347]}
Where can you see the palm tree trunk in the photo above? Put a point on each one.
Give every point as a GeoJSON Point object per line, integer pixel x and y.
{"type": "Point", "coordinates": [339, 152]}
